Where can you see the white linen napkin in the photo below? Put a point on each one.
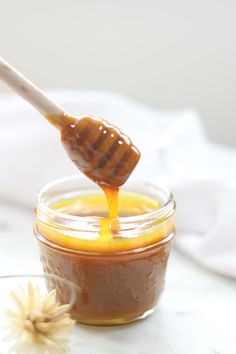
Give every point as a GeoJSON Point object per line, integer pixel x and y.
{"type": "Point", "coordinates": [175, 150]}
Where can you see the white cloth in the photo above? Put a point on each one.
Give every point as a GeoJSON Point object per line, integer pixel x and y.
{"type": "Point", "coordinates": [175, 150]}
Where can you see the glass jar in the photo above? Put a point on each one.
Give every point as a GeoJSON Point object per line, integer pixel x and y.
{"type": "Point", "coordinates": [121, 277]}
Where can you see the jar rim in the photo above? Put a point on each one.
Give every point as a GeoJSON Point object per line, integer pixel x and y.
{"type": "Point", "coordinates": [164, 211]}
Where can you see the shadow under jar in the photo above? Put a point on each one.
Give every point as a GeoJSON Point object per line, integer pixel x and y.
{"type": "Point", "coordinates": [119, 264]}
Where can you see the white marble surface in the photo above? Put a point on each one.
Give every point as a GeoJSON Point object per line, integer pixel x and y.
{"type": "Point", "coordinates": [196, 315]}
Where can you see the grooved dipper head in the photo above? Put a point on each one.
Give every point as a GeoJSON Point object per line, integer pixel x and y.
{"type": "Point", "coordinates": [99, 150]}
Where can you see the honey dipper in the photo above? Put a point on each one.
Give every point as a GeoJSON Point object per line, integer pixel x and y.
{"type": "Point", "coordinates": [97, 148]}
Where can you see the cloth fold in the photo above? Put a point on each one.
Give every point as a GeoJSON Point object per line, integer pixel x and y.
{"type": "Point", "coordinates": [175, 151]}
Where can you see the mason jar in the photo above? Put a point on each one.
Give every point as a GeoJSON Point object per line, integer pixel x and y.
{"type": "Point", "coordinates": [120, 271]}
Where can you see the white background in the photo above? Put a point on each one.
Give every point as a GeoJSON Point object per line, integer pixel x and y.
{"type": "Point", "coordinates": [167, 54]}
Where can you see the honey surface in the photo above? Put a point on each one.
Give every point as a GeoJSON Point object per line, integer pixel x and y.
{"type": "Point", "coordinates": [107, 238]}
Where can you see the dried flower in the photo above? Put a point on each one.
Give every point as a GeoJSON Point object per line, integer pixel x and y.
{"type": "Point", "coordinates": [38, 325]}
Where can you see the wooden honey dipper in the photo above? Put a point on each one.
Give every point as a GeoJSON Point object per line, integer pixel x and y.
{"type": "Point", "coordinates": [97, 148]}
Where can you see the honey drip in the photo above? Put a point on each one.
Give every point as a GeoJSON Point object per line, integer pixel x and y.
{"type": "Point", "coordinates": [103, 153]}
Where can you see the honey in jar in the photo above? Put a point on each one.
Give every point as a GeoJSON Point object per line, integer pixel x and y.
{"type": "Point", "coordinates": [118, 263]}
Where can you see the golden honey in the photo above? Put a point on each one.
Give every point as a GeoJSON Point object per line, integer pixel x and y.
{"type": "Point", "coordinates": [119, 264]}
